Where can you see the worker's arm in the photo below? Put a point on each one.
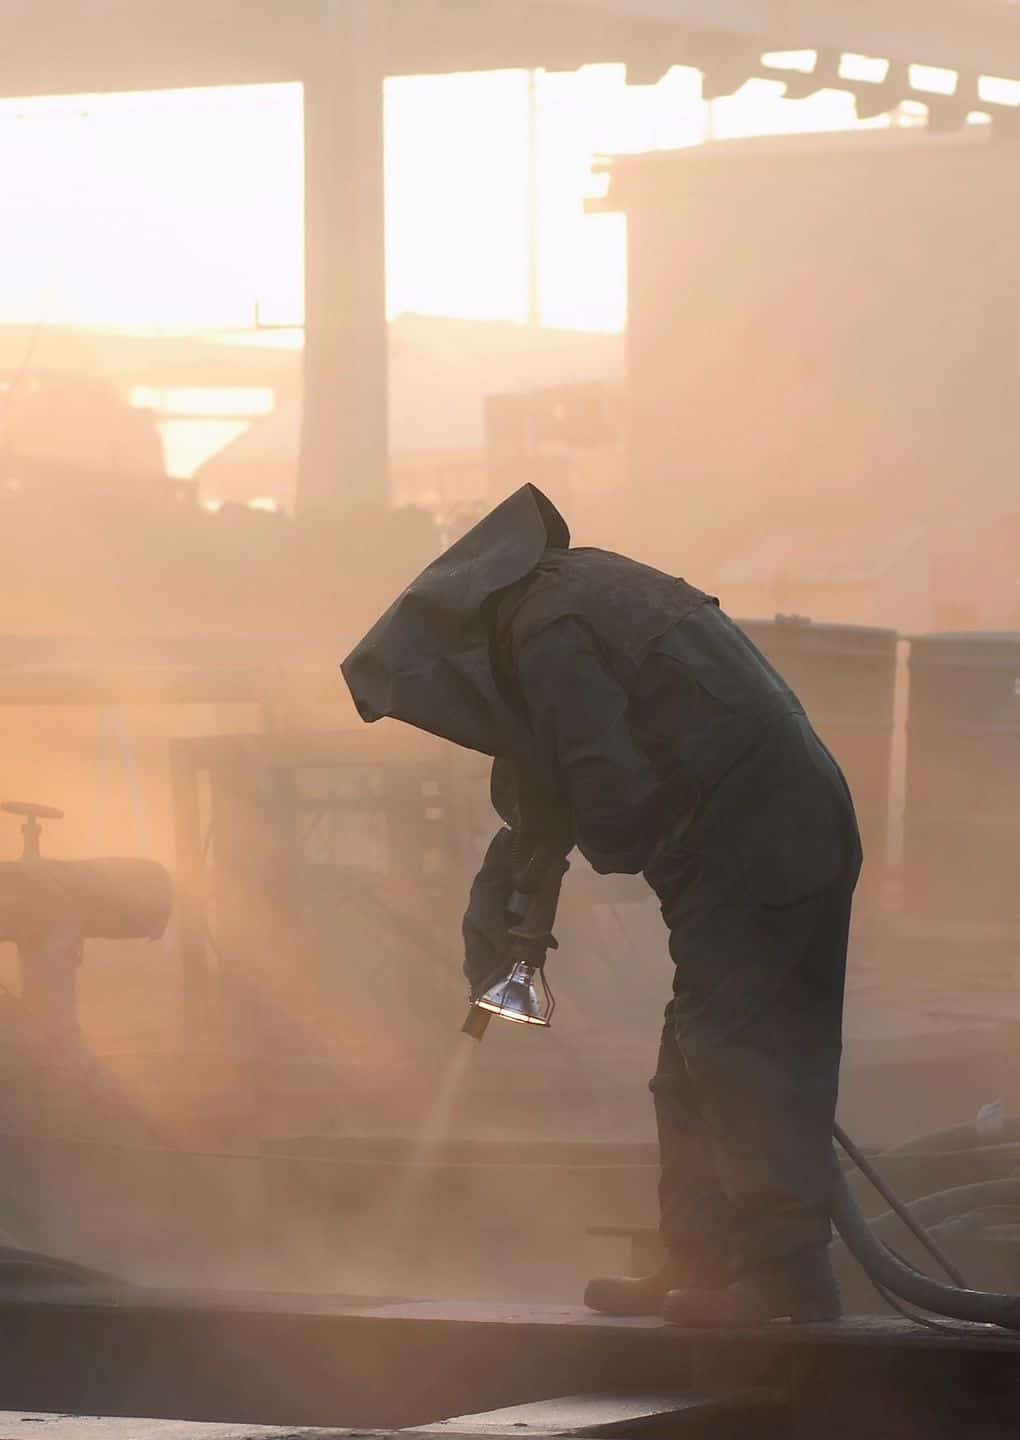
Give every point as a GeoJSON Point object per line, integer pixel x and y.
{"type": "Point", "coordinates": [578, 714]}
{"type": "Point", "coordinates": [486, 945]}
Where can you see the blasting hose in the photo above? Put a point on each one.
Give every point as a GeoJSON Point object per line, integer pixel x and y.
{"type": "Point", "coordinates": [900, 1279]}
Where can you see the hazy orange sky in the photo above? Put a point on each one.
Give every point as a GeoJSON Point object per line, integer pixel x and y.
{"type": "Point", "coordinates": [181, 209]}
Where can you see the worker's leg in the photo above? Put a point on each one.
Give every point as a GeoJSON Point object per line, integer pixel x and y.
{"type": "Point", "coordinates": [692, 1206]}
{"type": "Point", "coordinates": [693, 1210]}
{"type": "Point", "coordinates": [767, 1085]}
{"type": "Point", "coordinates": [760, 953]}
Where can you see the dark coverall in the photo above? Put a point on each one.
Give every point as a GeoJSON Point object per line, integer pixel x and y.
{"type": "Point", "coordinates": [679, 752]}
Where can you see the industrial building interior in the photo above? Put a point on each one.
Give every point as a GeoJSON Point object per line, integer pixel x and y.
{"type": "Point", "coordinates": [293, 296]}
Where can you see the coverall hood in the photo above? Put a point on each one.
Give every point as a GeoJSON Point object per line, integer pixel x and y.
{"type": "Point", "coordinates": [427, 660]}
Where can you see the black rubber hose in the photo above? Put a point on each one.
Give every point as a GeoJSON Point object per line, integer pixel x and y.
{"type": "Point", "coordinates": [882, 1266]}
{"type": "Point", "coordinates": [918, 1231]}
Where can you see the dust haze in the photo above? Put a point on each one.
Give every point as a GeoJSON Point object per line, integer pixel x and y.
{"type": "Point", "coordinates": [810, 414]}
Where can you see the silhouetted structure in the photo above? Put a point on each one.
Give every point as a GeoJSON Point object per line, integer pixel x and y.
{"type": "Point", "coordinates": [340, 50]}
{"type": "Point", "coordinates": [820, 332]}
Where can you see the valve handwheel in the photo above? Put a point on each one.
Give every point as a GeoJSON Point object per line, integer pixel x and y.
{"type": "Point", "coordinates": [31, 830]}
{"type": "Point", "coordinates": [25, 807]}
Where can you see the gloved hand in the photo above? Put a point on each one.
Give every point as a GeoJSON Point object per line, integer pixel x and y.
{"type": "Point", "coordinates": [486, 943]}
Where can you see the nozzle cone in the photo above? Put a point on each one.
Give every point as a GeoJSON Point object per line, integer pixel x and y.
{"type": "Point", "coordinates": [516, 998]}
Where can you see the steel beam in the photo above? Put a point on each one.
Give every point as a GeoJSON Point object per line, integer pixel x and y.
{"type": "Point", "coordinates": [981, 36]}
{"type": "Point", "coordinates": [61, 46]}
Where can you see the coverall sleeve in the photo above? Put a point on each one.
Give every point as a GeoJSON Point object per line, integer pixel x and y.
{"type": "Point", "coordinates": [578, 714]}
{"type": "Point", "coordinates": [484, 926]}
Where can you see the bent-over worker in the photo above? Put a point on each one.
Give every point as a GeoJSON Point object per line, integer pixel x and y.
{"type": "Point", "coordinates": [629, 716]}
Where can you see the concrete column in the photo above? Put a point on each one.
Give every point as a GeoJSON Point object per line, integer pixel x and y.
{"type": "Point", "coordinates": [344, 435]}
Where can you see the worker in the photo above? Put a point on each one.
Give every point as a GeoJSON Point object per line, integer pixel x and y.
{"type": "Point", "coordinates": [629, 716]}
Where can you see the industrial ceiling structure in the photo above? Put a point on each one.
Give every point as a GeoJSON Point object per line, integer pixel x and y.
{"type": "Point", "coordinates": [62, 46]}
{"type": "Point", "coordinates": [341, 50]}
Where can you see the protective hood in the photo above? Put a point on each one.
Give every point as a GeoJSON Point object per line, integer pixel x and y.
{"type": "Point", "coordinates": [427, 661]}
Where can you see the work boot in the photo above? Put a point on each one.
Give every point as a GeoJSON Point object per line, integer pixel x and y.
{"type": "Point", "coordinates": [799, 1288]}
{"type": "Point", "coordinates": [644, 1294]}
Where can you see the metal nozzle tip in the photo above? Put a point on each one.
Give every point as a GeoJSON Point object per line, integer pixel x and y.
{"type": "Point", "coordinates": [477, 1023]}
